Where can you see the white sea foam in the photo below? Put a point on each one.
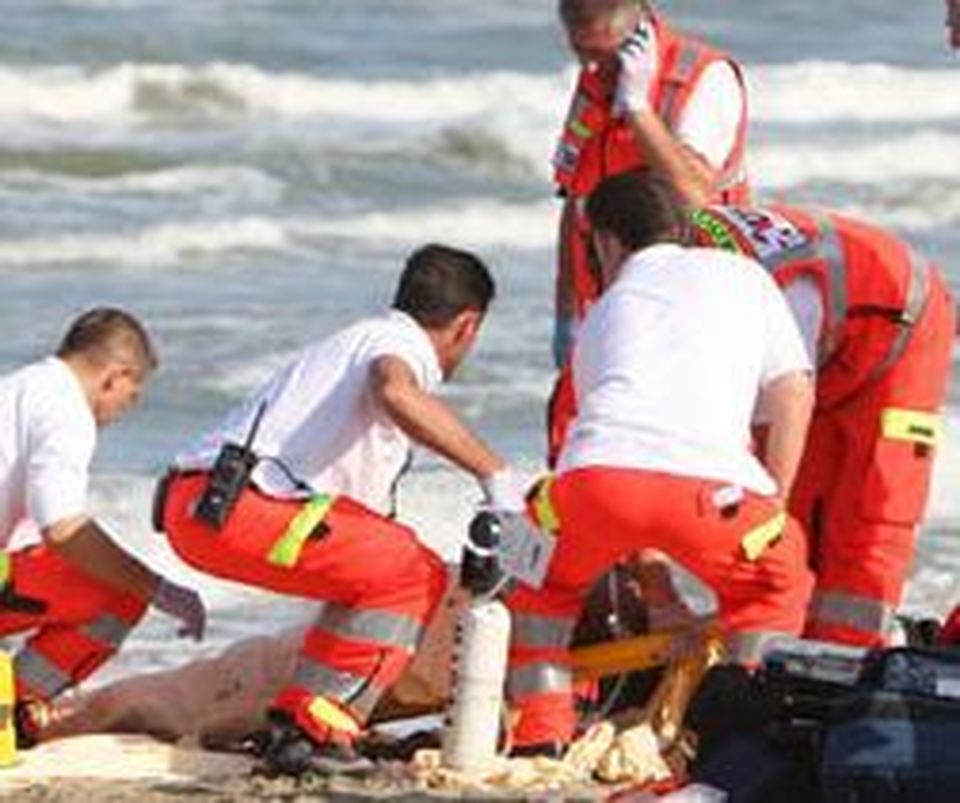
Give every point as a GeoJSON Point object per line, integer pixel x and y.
{"type": "Point", "coordinates": [814, 92]}
{"type": "Point", "coordinates": [923, 155]}
{"type": "Point", "coordinates": [475, 222]}
{"type": "Point", "coordinates": [804, 92]}
{"type": "Point", "coordinates": [119, 93]}
{"type": "Point", "coordinates": [518, 113]}
{"type": "Point", "coordinates": [165, 242]}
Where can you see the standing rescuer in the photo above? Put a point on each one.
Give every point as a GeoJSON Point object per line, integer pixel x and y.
{"type": "Point", "coordinates": [332, 437]}
{"type": "Point", "coordinates": [646, 95]}
{"type": "Point", "coordinates": [77, 591]}
{"type": "Point", "coordinates": [879, 324]}
{"type": "Point", "coordinates": [668, 367]}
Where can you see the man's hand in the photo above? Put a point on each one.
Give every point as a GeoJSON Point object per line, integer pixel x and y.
{"type": "Point", "coordinates": [638, 63]}
{"type": "Point", "coordinates": [184, 604]}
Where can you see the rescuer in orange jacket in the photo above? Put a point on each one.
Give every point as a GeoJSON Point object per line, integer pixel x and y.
{"type": "Point", "coordinates": [331, 435]}
{"type": "Point", "coordinates": [879, 324]}
{"type": "Point", "coordinates": [645, 95]}
{"type": "Point", "coordinates": [77, 592]}
{"type": "Point", "coordinates": [668, 368]}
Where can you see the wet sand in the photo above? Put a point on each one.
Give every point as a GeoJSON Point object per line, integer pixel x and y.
{"type": "Point", "coordinates": [262, 789]}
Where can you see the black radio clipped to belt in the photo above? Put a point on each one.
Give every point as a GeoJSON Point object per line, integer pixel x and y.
{"type": "Point", "coordinates": [228, 477]}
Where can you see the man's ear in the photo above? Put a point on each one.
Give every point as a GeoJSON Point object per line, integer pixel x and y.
{"type": "Point", "coordinates": [467, 324]}
{"type": "Point", "coordinates": [112, 373]}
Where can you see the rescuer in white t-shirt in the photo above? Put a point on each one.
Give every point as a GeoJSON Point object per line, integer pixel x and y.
{"type": "Point", "coordinates": [77, 591]}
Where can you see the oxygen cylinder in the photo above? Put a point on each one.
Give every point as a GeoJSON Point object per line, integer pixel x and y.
{"type": "Point", "coordinates": [480, 655]}
{"type": "Point", "coordinates": [473, 722]}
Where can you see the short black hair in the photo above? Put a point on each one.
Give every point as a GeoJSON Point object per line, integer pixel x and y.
{"type": "Point", "coordinates": [639, 207]}
{"type": "Point", "coordinates": [439, 282]}
{"type": "Point", "coordinates": [108, 333]}
{"type": "Point", "coordinates": [579, 13]}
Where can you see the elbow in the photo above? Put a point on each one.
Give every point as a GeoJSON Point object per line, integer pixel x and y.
{"type": "Point", "coordinates": [60, 532]}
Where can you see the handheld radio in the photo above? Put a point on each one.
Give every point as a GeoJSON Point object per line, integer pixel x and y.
{"type": "Point", "coordinates": [228, 477]}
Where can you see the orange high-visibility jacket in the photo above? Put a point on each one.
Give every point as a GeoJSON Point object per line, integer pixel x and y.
{"type": "Point", "coordinates": [873, 286]}
{"type": "Point", "coordinates": [595, 144]}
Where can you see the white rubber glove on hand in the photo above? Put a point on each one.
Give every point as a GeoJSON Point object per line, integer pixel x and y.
{"type": "Point", "coordinates": [184, 604]}
{"type": "Point", "coordinates": [504, 491]}
{"type": "Point", "coordinates": [638, 63]}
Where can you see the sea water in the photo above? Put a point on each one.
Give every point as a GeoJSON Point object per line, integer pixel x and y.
{"type": "Point", "coordinates": [248, 175]}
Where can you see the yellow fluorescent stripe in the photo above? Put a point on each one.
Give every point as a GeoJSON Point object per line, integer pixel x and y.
{"type": "Point", "coordinates": [543, 507]}
{"type": "Point", "coordinates": [286, 551]}
{"type": "Point", "coordinates": [580, 129]}
{"type": "Point", "coordinates": [898, 423]}
{"type": "Point", "coordinates": [755, 542]}
{"type": "Point", "coordinates": [328, 713]}
{"type": "Point", "coordinates": [4, 568]}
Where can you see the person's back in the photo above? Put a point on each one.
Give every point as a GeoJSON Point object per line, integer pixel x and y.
{"type": "Point", "coordinates": [683, 340]}
{"type": "Point", "coordinates": [30, 398]}
{"type": "Point", "coordinates": [655, 468]}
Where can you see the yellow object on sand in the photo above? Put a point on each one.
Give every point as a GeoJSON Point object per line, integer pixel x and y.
{"type": "Point", "coordinates": [8, 733]}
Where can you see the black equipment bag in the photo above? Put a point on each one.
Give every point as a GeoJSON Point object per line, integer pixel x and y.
{"type": "Point", "coordinates": [896, 735]}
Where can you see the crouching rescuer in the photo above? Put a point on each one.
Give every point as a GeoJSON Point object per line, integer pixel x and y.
{"type": "Point", "coordinates": [77, 593]}
{"type": "Point", "coordinates": [668, 368]}
{"type": "Point", "coordinates": [878, 321]}
{"type": "Point", "coordinates": [293, 492]}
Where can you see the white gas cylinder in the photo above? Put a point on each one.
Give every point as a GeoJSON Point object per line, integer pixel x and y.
{"type": "Point", "coordinates": [473, 721]}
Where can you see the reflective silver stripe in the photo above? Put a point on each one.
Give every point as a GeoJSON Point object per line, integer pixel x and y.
{"type": "Point", "coordinates": [747, 647]}
{"type": "Point", "coordinates": [548, 632]}
{"type": "Point", "coordinates": [830, 250]}
{"type": "Point", "coordinates": [388, 629]}
{"type": "Point", "coordinates": [849, 610]}
{"type": "Point", "coordinates": [538, 678]}
{"type": "Point", "coordinates": [918, 293]}
{"type": "Point", "coordinates": [679, 75]}
{"type": "Point", "coordinates": [107, 629]}
{"type": "Point", "coordinates": [360, 693]}
{"type": "Point", "coordinates": [40, 673]}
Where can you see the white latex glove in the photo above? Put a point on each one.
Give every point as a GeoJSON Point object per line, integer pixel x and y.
{"type": "Point", "coordinates": [503, 491]}
{"type": "Point", "coordinates": [638, 63]}
{"type": "Point", "coordinates": [184, 604]}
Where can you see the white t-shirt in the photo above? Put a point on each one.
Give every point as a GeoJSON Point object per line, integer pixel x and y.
{"type": "Point", "coordinates": [803, 298]}
{"type": "Point", "coordinates": [711, 117]}
{"type": "Point", "coordinates": [47, 439]}
{"type": "Point", "coordinates": [321, 420]}
{"type": "Point", "coordinates": [806, 304]}
{"type": "Point", "coordinates": [670, 361]}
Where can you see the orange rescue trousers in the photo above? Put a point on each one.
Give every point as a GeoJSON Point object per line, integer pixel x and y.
{"type": "Point", "coordinates": [83, 623]}
{"type": "Point", "coordinates": [863, 482]}
{"type": "Point", "coordinates": [740, 544]}
{"type": "Point", "coordinates": [380, 587]}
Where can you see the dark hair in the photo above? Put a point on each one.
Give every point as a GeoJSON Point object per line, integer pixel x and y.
{"type": "Point", "coordinates": [107, 333]}
{"type": "Point", "coordinates": [439, 282]}
{"type": "Point", "coordinates": [639, 207]}
{"type": "Point", "coordinates": [579, 13]}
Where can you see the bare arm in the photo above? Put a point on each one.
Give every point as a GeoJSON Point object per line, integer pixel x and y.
{"type": "Point", "coordinates": [427, 420]}
{"type": "Point", "coordinates": [685, 168]}
{"type": "Point", "coordinates": [788, 401]}
{"type": "Point", "coordinates": [82, 542]}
